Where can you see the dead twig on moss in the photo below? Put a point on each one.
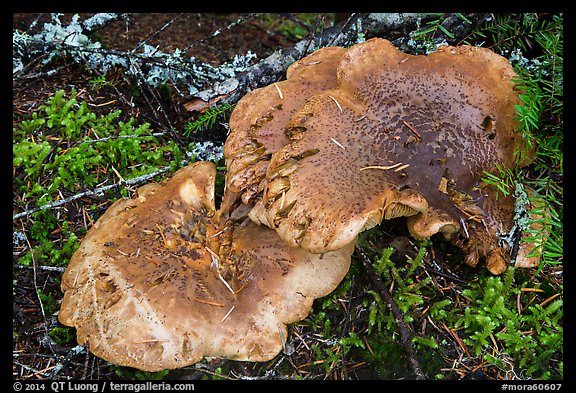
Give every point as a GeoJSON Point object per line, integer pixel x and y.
{"type": "Point", "coordinates": [95, 192]}
{"type": "Point", "coordinates": [398, 316]}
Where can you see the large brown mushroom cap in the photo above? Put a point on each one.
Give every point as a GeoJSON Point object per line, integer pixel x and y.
{"type": "Point", "coordinates": [400, 135]}
{"type": "Point", "coordinates": [258, 122]}
{"type": "Point", "coordinates": [157, 284]}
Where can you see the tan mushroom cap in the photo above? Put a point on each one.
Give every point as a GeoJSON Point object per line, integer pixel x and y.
{"type": "Point", "coordinates": [258, 122]}
{"type": "Point", "coordinates": [156, 284]}
{"type": "Point", "coordinates": [399, 135]}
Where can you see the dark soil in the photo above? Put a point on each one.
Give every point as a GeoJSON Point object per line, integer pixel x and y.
{"type": "Point", "coordinates": [196, 31]}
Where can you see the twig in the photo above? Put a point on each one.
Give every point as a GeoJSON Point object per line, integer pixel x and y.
{"type": "Point", "coordinates": [99, 20]}
{"type": "Point", "coordinates": [141, 81]}
{"type": "Point", "coordinates": [344, 26]}
{"type": "Point", "coordinates": [95, 192]}
{"type": "Point", "coordinates": [218, 31]}
{"type": "Point", "coordinates": [118, 94]}
{"type": "Point", "coordinates": [205, 369]}
{"type": "Point", "coordinates": [271, 68]}
{"type": "Point", "coordinates": [45, 74]}
{"type": "Point", "coordinates": [445, 275]}
{"type": "Point", "coordinates": [114, 137]}
{"type": "Point", "coordinates": [45, 325]}
{"type": "Point", "coordinates": [142, 43]}
{"type": "Point", "coordinates": [358, 27]}
{"type": "Point", "coordinates": [41, 267]}
{"type": "Point", "coordinates": [36, 45]}
{"type": "Point", "coordinates": [32, 370]}
{"type": "Point", "coordinates": [85, 372]}
{"type": "Point", "coordinates": [311, 38]}
{"type": "Point", "coordinates": [412, 129]}
{"type": "Point", "coordinates": [398, 316]}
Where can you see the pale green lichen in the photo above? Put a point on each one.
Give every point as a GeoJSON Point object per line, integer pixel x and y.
{"type": "Point", "coordinates": [150, 64]}
{"type": "Point", "coordinates": [522, 218]}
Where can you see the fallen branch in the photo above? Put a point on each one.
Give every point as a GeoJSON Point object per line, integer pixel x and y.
{"type": "Point", "coordinates": [100, 20]}
{"type": "Point", "coordinates": [96, 191]}
{"type": "Point", "coordinates": [150, 65]}
{"type": "Point", "coordinates": [357, 28]}
{"type": "Point", "coordinates": [267, 71]}
{"type": "Point", "coordinates": [398, 316]}
{"type": "Point", "coordinates": [60, 269]}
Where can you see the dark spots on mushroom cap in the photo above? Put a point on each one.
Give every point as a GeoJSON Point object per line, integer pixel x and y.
{"type": "Point", "coordinates": [451, 110]}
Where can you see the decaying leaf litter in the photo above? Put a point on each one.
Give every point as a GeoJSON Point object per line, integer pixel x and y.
{"type": "Point", "coordinates": [339, 370]}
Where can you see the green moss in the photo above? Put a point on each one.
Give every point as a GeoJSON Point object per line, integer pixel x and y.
{"type": "Point", "coordinates": [486, 318]}
{"type": "Point", "coordinates": [132, 374]}
{"type": "Point", "coordinates": [65, 146]}
{"type": "Point", "coordinates": [532, 338]}
{"type": "Point", "coordinates": [534, 44]}
{"type": "Point", "coordinates": [63, 335]}
{"type": "Point", "coordinates": [53, 241]}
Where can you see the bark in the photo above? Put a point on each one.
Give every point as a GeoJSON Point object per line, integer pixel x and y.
{"type": "Point", "coordinates": [272, 68]}
{"type": "Point", "coordinates": [356, 28]}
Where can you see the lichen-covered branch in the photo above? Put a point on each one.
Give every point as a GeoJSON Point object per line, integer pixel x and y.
{"type": "Point", "coordinates": [96, 191]}
{"type": "Point", "coordinates": [357, 28]}
{"type": "Point", "coordinates": [145, 63]}
{"type": "Point", "coordinates": [192, 78]}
